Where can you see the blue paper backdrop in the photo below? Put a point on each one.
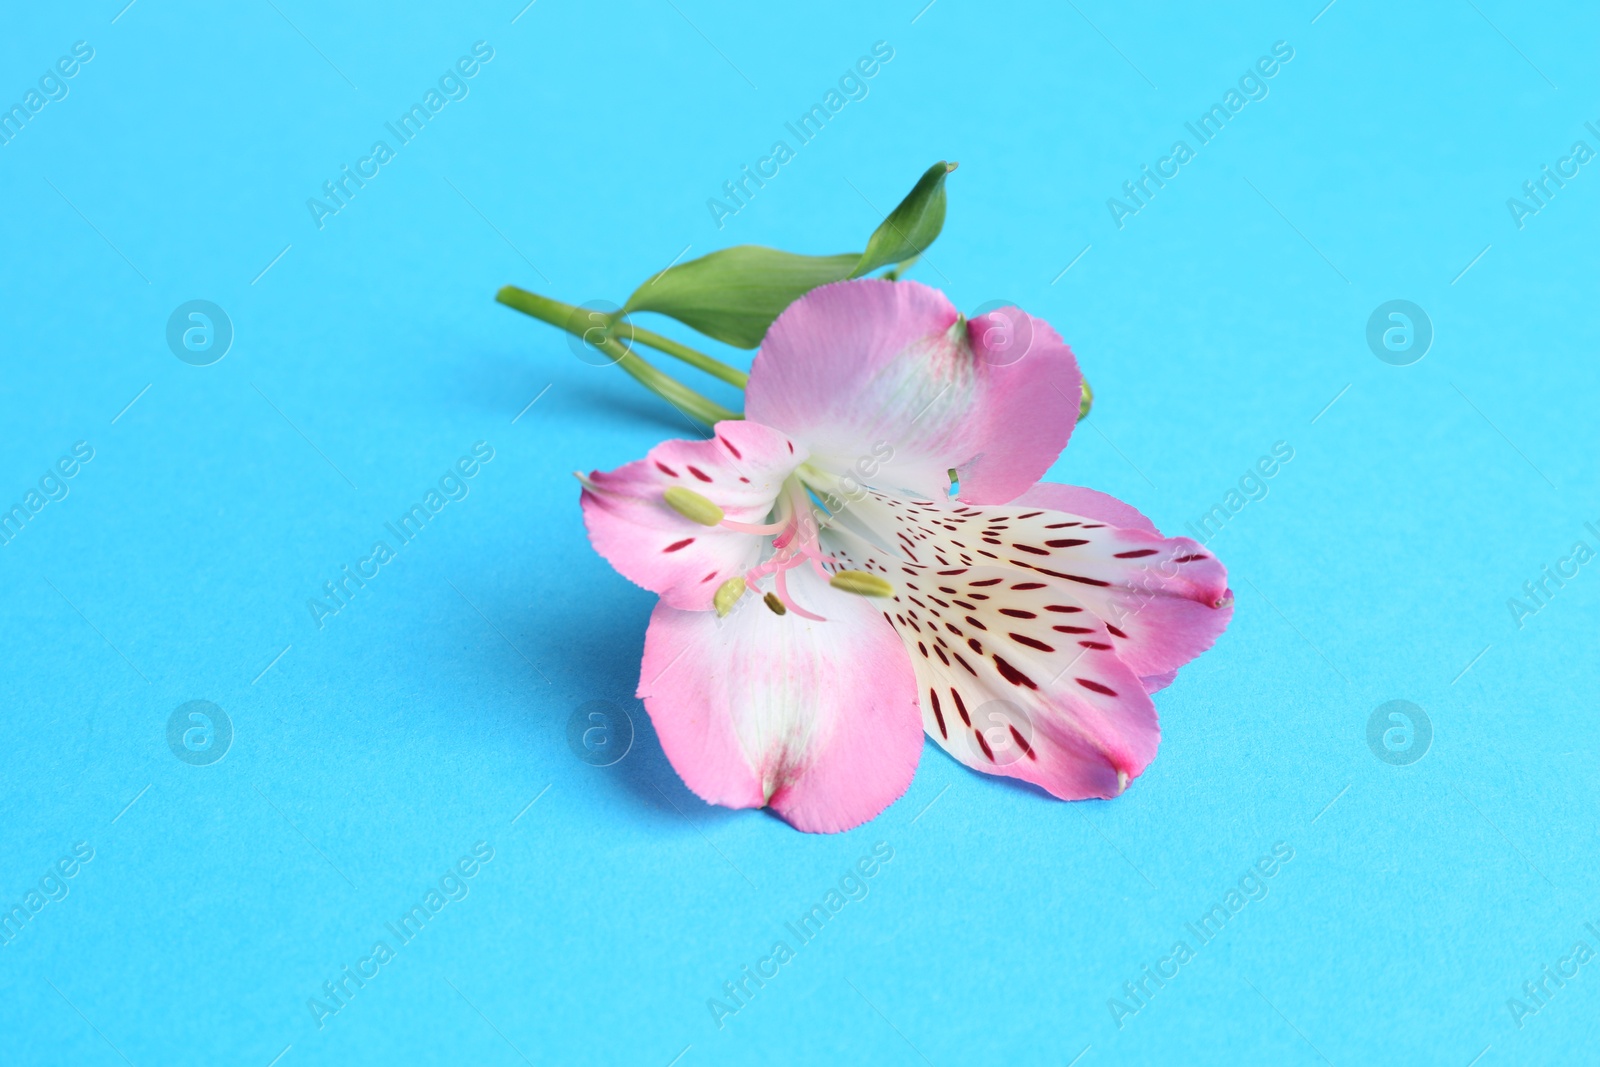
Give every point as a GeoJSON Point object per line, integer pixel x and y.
{"type": "Point", "coordinates": [371, 754]}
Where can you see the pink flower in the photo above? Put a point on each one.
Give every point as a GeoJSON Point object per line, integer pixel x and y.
{"type": "Point", "coordinates": [824, 599]}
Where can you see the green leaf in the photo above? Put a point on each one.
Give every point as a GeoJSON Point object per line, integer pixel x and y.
{"type": "Point", "coordinates": [912, 226]}
{"type": "Point", "coordinates": [733, 295]}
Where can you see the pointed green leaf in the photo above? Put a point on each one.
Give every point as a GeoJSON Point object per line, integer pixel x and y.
{"type": "Point", "coordinates": [733, 295]}
{"type": "Point", "coordinates": [912, 226]}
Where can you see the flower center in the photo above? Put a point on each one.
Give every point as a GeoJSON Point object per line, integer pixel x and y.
{"type": "Point", "coordinates": [796, 540]}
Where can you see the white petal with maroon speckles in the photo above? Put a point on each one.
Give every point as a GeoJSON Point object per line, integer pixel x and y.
{"type": "Point", "coordinates": [1030, 631]}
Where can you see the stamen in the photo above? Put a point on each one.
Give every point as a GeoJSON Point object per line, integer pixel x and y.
{"type": "Point", "coordinates": [758, 528]}
{"type": "Point", "coordinates": [771, 600]}
{"type": "Point", "coordinates": [728, 594]}
{"type": "Point", "coordinates": [692, 506]}
{"type": "Point", "coordinates": [861, 583]}
{"type": "Point", "coordinates": [780, 580]}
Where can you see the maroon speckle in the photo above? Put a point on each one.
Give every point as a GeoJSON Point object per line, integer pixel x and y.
{"type": "Point", "coordinates": [1115, 632]}
{"type": "Point", "coordinates": [664, 469]}
{"type": "Point", "coordinates": [990, 581]}
{"type": "Point", "coordinates": [1022, 639]}
{"type": "Point", "coordinates": [698, 473]}
{"type": "Point", "coordinates": [1073, 577]}
{"type": "Point", "coordinates": [1189, 558]}
{"type": "Point", "coordinates": [1060, 525]}
{"type": "Point", "coordinates": [1063, 608]}
{"type": "Point", "coordinates": [1030, 515]}
{"type": "Point", "coordinates": [1073, 629]}
{"type": "Point", "coordinates": [976, 623]}
{"type": "Point", "coordinates": [729, 446]}
{"type": "Point", "coordinates": [938, 715]}
{"type": "Point", "coordinates": [961, 706]}
{"type": "Point", "coordinates": [965, 664]}
{"type": "Point", "coordinates": [1137, 553]}
{"type": "Point", "coordinates": [1030, 548]}
{"type": "Point", "coordinates": [1022, 743]}
{"type": "Point", "coordinates": [708, 577]}
{"type": "Point", "coordinates": [1012, 675]}
{"type": "Point", "coordinates": [1096, 645]}
{"type": "Point", "coordinates": [685, 543]}
{"type": "Point", "coordinates": [983, 745]}
{"type": "Point", "coordinates": [1065, 542]}
{"type": "Point", "coordinates": [1018, 613]}
{"type": "Point", "coordinates": [972, 643]}
{"type": "Point", "coordinates": [1028, 585]}
{"type": "Point", "coordinates": [1096, 687]}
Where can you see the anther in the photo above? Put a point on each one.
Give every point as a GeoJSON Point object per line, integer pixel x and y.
{"type": "Point", "coordinates": [771, 600]}
{"type": "Point", "coordinates": [861, 583]}
{"type": "Point", "coordinates": [692, 506]}
{"type": "Point", "coordinates": [728, 594]}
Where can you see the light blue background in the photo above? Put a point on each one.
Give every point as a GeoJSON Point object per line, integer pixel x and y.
{"type": "Point", "coordinates": [427, 715]}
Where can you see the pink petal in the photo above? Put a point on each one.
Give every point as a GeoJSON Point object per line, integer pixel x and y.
{"type": "Point", "coordinates": [816, 719]}
{"type": "Point", "coordinates": [1169, 596]}
{"type": "Point", "coordinates": [740, 469]}
{"type": "Point", "coordinates": [870, 378]}
{"type": "Point", "coordinates": [1154, 683]}
{"type": "Point", "coordinates": [1090, 503]}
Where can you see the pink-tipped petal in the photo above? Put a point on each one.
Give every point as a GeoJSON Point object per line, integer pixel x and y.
{"type": "Point", "coordinates": [1166, 599]}
{"type": "Point", "coordinates": [817, 720]}
{"type": "Point", "coordinates": [1089, 503]}
{"type": "Point", "coordinates": [740, 469]}
{"type": "Point", "coordinates": [877, 379]}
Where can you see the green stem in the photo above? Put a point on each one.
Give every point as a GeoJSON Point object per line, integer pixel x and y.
{"type": "Point", "coordinates": [571, 318]}
{"type": "Point", "coordinates": [699, 360]}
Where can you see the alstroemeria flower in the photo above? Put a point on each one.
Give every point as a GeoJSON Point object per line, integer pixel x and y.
{"type": "Point", "coordinates": [824, 598]}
